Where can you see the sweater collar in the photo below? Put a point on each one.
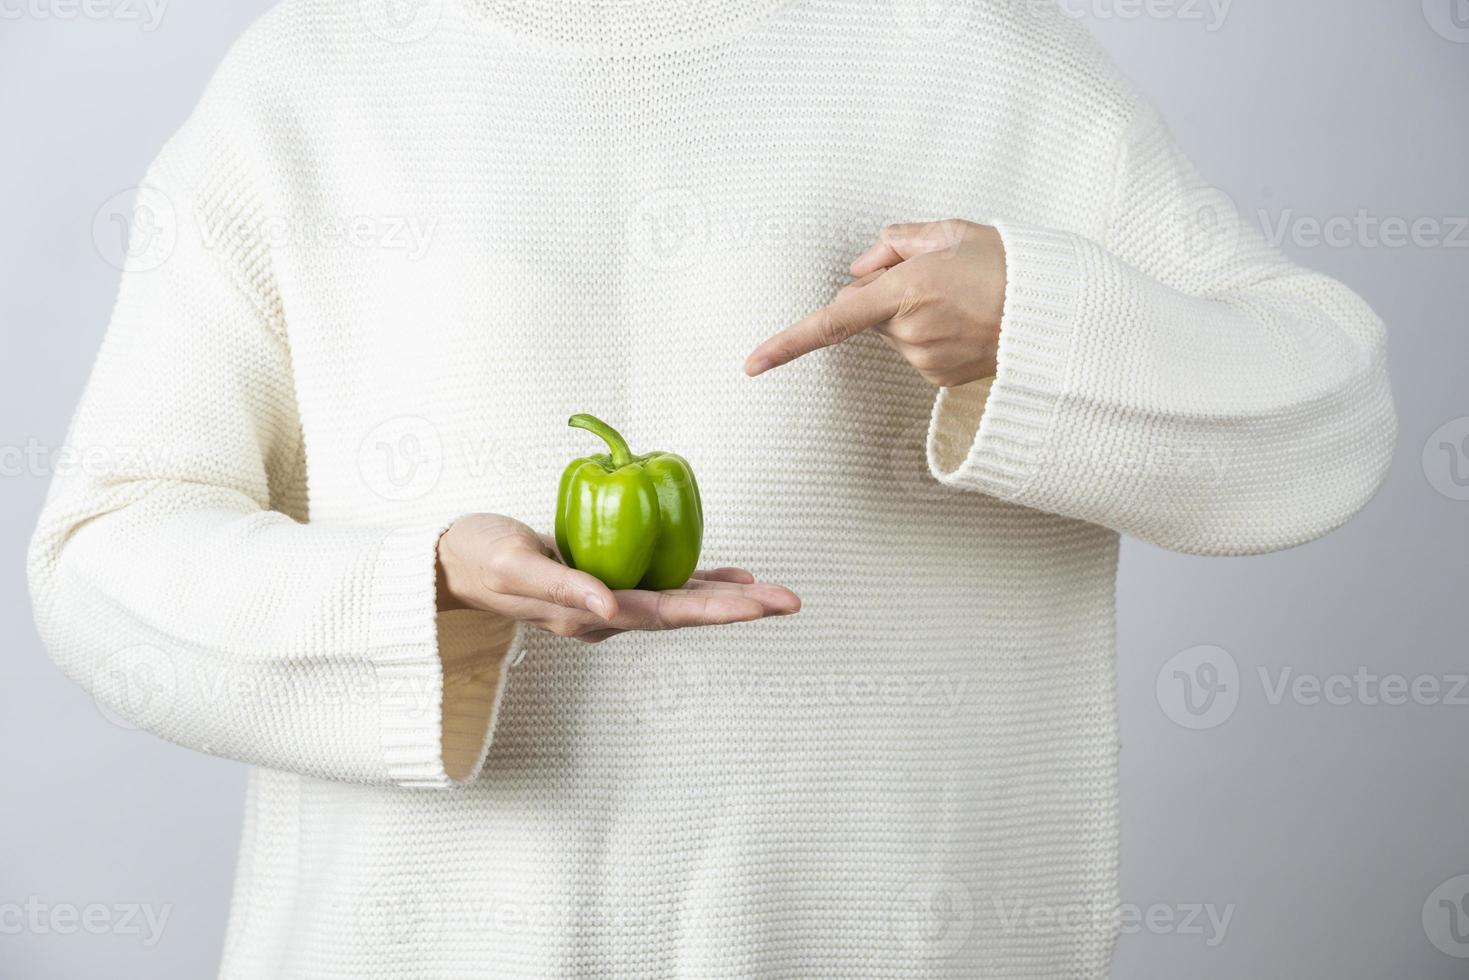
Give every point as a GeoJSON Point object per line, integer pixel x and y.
{"type": "Point", "coordinates": [624, 24]}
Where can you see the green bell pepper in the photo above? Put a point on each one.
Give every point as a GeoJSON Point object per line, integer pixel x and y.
{"type": "Point", "coordinates": [631, 521]}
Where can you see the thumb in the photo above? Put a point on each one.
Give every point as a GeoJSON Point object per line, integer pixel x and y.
{"type": "Point", "coordinates": [903, 241]}
{"type": "Point", "coordinates": [532, 575]}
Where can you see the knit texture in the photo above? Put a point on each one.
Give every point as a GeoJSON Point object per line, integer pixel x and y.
{"type": "Point", "coordinates": [388, 256]}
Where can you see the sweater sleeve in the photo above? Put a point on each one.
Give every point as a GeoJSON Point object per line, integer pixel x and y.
{"type": "Point", "coordinates": [174, 574]}
{"type": "Point", "coordinates": [1180, 381]}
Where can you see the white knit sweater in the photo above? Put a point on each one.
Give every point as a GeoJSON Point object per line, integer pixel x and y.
{"type": "Point", "coordinates": [385, 260]}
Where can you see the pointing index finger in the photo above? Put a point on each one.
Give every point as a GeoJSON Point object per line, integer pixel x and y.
{"type": "Point", "coordinates": [846, 316]}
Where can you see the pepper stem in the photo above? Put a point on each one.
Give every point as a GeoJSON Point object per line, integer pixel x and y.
{"type": "Point", "coordinates": [621, 455]}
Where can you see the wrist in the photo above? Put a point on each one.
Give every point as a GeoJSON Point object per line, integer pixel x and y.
{"type": "Point", "coordinates": [446, 572]}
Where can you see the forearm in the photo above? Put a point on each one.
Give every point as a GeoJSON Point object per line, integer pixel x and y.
{"type": "Point", "coordinates": [301, 647]}
{"type": "Point", "coordinates": [1247, 420]}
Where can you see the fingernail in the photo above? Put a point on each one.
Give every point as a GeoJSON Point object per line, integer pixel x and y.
{"type": "Point", "coordinates": [757, 366]}
{"type": "Point", "coordinates": [599, 605]}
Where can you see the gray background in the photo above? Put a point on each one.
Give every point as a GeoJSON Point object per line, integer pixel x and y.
{"type": "Point", "coordinates": [1327, 832]}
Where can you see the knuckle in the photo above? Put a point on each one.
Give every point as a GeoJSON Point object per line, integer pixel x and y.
{"type": "Point", "coordinates": [502, 563]}
{"type": "Point", "coordinates": [953, 375]}
{"type": "Point", "coordinates": [563, 626]}
{"type": "Point", "coordinates": [914, 331]}
{"type": "Point", "coordinates": [915, 296]}
{"type": "Point", "coordinates": [663, 611]}
{"type": "Point", "coordinates": [560, 592]}
{"type": "Point", "coordinates": [956, 230]}
{"type": "Point", "coordinates": [926, 361]}
{"type": "Point", "coordinates": [933, 379]}
{"type": "Point", "coordinates": [830, 327]}
{"type": "Point", "coordinates": [493, 577]}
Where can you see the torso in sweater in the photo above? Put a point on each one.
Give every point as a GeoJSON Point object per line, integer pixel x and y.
{"type": "Point", "coordinates": [840, 794]}
{"type": "Point", "coordinates": [465, 233]}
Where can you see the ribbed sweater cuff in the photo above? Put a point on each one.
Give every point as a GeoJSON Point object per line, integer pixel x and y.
{"type": "Point", "coordinates": [405, 654]}
{"type": "Point", "coordinates": [992, 436]}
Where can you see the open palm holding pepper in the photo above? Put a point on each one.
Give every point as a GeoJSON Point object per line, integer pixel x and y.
{"type": "Point", "coordinates": [498, 564]}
